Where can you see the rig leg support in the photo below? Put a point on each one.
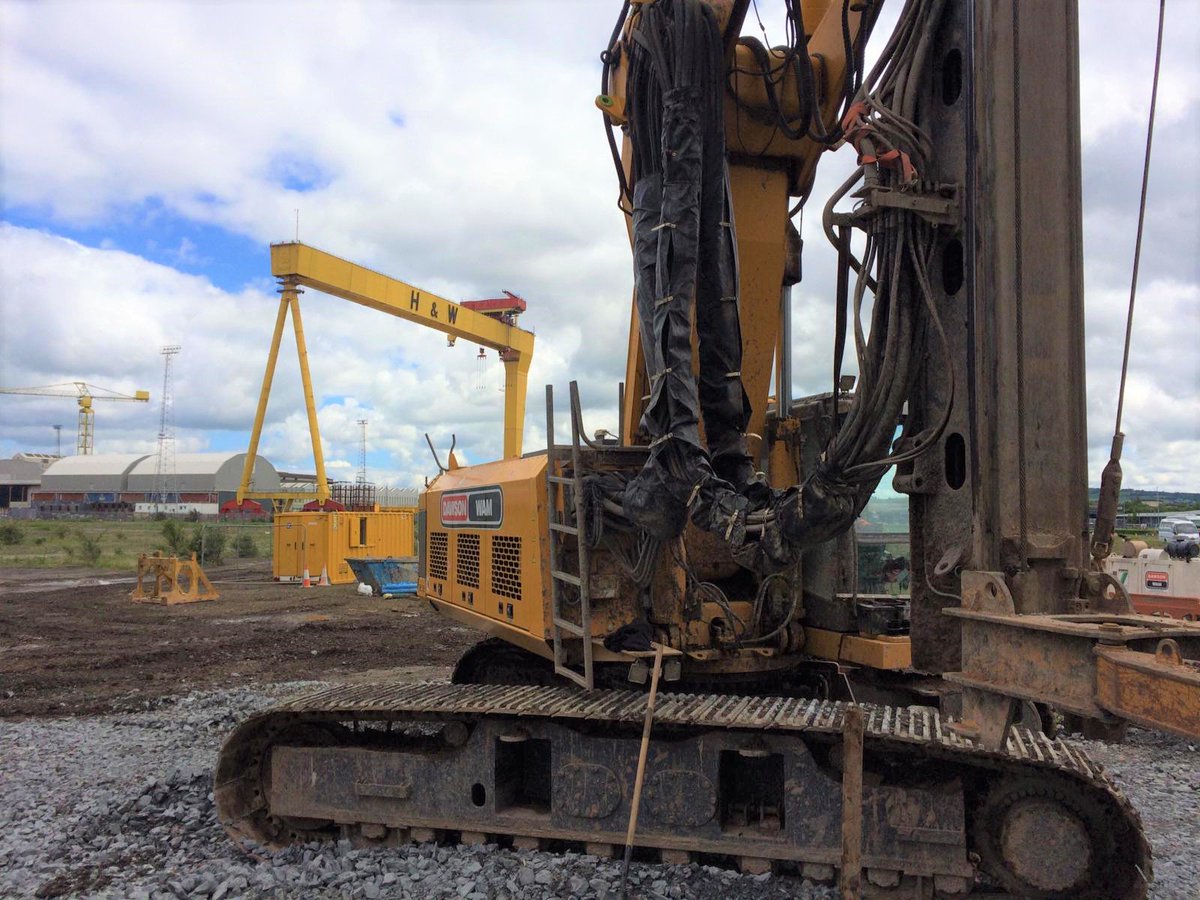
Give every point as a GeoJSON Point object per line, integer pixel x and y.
{"type": "Point", "coordinates": [174, 581]}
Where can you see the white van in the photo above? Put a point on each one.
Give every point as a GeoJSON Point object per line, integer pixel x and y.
{"type": "Point", "coordinates": [1174, 528]}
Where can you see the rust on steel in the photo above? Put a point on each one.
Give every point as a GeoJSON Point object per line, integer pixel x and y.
{"type": "Point", "coordinates": [1093, 665]}
{"type": "Point", "coordinates": [1157, 690]}
{"type": "Point", "coordinates": [852, 772]}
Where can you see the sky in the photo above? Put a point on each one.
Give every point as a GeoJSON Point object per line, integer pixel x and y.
{"type": "Point", "coordinates": [150, 152]}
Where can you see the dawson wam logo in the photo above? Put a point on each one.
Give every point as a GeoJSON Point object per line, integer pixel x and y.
{"type": "Point", "coordinates": [475, 508]}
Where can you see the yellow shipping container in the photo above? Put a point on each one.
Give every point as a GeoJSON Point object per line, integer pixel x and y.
{"type": "Point", "coordinates": [327, 539]}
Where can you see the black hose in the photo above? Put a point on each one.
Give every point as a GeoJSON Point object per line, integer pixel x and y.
{"type": "Point", "coordinates": [786, 620]}
{"type": "Point", "coordinates": [623, 198]}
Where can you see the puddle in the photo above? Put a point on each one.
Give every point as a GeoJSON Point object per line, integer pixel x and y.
{"type": "Point", "coordinates": [58, 584]}
{"type": "Point", "coordinates": [242, 620]}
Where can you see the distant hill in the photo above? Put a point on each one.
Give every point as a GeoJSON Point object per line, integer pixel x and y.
{"type": "Point", "coordinates": [885, 514]}
{"type": "Point", "coordinates": [890, 513]}
{"type": "Point", "coordinates": [1136, 499]}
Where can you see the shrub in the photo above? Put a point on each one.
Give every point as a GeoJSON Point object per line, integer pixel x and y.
{"type": "Point", "coordinates": [244, 546]}
{"type": "Point", "coordinates": [9, 534]}
{"type": "Point", "coordinates": [89, 550]}
{"type": "Point", "coordinates": [207, 544]}
{"type": "Point", "coordinates": [176, 540]}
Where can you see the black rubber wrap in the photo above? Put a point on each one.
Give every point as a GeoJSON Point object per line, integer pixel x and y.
{"type": "Point", "coordinates": [685, 265]}
{"type": "Point", "coordinates": [685, 260]}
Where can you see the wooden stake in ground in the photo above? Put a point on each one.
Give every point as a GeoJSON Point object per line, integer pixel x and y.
{"type": "Point", "coordinates": [850, 881]}
{"type": "Point", "coordinates": [641, 768]}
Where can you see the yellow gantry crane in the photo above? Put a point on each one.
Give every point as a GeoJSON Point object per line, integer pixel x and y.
{"type": "Point", "coordinates": [84, 393]}
{"type": "Point", "coordinates": [487, 323]}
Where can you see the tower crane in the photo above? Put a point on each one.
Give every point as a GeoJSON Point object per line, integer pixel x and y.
{"type": "Point", "coordinates": [85, 393]}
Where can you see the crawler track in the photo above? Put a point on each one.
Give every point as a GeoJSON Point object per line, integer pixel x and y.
{"type": "Point", "coordinates": [755, 779]}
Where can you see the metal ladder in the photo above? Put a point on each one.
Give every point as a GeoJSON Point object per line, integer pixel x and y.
{"type": "Point", "coordinates": [563, 627]}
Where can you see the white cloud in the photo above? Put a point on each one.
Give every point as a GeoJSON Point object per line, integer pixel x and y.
{"type": "Point", "coordinates": [101, 316]}
{"type": "Point", "coordinates": [1117, 63]}
{"type": "Point", "coordinates": [498, 177]}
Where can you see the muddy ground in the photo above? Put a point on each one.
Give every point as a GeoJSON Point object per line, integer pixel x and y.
{"type": "Point", "coordinates": [74, 650]}
{"type": "Point", "coordinates": [82, 648]}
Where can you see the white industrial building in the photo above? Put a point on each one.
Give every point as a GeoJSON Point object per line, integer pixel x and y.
{"type": "Point", "coordinates": [127, 483]}
{"type": "Point", "coordinates": [205, 473]}
{"type": "Point", "coordinates": [101, 473]}
{"type": "Point", "coordinates": [20, 476]}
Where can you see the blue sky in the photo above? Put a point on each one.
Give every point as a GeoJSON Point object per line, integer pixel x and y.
{"type": "Point", "coordinates": [150, 153]}
{"type": "Point", "coordinates": [157, 233]}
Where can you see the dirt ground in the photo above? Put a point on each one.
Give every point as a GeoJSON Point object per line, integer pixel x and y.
{"type": "Point", "coordinates": [72, 642]}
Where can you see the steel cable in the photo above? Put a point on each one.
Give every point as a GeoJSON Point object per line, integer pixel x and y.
{"type": "Point", "coordinates": [1137, 246]}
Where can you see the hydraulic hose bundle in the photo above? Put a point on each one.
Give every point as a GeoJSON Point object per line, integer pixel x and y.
{"type": "Point", "coordinates": [685, 260]}
{"type": "Point", "coordinates": [772, 67]}
{"type": "Point", "coordinates": [893, 152]}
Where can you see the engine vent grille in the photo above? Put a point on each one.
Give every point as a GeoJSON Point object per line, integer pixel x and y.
{"type": "Point", "coordinates": [466, 560]}
{"type": "Point", "coordinates": [439, 544]}
{"type": "Point", "coordinates": [506, 566]}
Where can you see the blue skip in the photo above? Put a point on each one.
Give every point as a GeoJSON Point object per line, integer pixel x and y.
{"type": "Point", "coordinates": [387, 574]}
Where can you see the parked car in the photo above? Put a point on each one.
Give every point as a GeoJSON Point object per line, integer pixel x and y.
{"type": "Point", "coordinates": [1176, 528]}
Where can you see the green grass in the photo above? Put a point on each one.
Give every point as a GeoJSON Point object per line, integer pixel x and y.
{"type": "Point", "coordinates": [1150, 537]}
{"type": "Point", "coordinates": [113, 546]}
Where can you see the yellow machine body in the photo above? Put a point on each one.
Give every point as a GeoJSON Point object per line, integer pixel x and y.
{"type": "Point", "coordinates": [484, 559]}
{"type": "Point", "coordinates": [513, 567]}
{"type": "Point", "coordinates": [486, 563]}
{"type": "Point", "coordinates": [766, 169]}
{"type": "Point", "coordinates": [789, 740]}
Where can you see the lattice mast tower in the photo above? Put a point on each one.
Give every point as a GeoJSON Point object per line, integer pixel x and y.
{"type": "Point", "coordinates": [362, 453]}
{"type": "Point", "coordinates": [165, 482]}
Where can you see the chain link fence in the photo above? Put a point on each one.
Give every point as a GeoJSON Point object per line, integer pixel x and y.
{"type": "Point", "coordinates": [227, 550]}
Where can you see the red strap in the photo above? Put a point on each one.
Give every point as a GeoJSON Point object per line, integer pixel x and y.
{"type": "Point", "coordinates": [855, 127]}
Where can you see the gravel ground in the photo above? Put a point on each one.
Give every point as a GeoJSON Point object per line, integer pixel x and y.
{"type": "Point", "coordinates": [120, 806]}
{"type": "Point", "coordinates": [1160, 774]}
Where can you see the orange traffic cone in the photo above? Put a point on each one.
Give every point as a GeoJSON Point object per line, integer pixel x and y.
{"type": "Point", "coordinates": [307, 582]}
{"type": "Point", "coordinates": [324, 582]}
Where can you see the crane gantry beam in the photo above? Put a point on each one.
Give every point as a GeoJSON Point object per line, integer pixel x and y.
{"type": "Point", "coordinates": [298, 266]}
{"type": "Point", "coordinates": [84, 394]}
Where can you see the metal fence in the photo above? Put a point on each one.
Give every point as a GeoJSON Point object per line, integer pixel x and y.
{"type": "Point", "coordinates": [227, 550]}
{"type": "Point", "coordinates": [397, 497]}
